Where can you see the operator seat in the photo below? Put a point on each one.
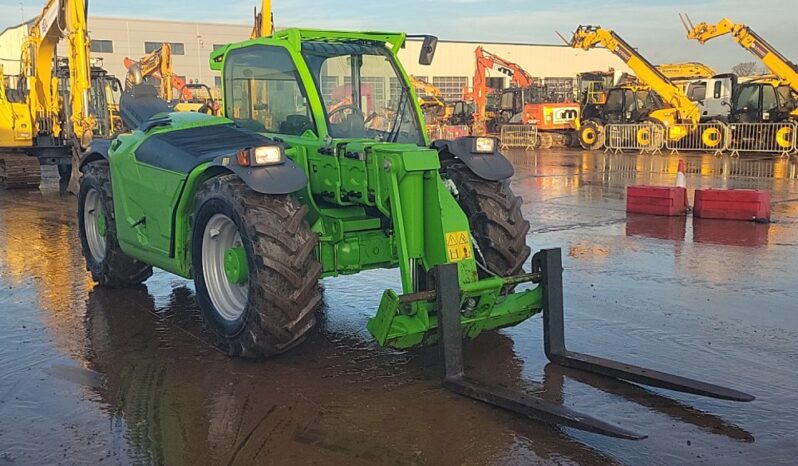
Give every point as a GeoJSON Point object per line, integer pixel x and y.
{"type": "Point", "coordinates": [139, 104]}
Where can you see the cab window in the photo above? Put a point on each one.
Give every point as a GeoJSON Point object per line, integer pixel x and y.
{"type": "Point", "coordinates": [769, 101]}
{"type": "Point", "coordinates": [786, 97]}
{"type": "Point", "coordinates": [263, 91]}
{"type": "Point", "coordinates": [614, 101]}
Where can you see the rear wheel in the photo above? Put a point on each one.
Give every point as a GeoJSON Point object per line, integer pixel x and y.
{"type": "Point", "coordinates": [109, 266]}
{"type": "Point", "coordinates": [254, 267]}
{"type": "Point", "coordinates": [497, 224]}
{"type": "Point", "coordinates": [591, 135]}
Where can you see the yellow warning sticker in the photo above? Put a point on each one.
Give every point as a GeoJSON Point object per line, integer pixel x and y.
{"type": "Point", "coordinates": [458, 246]}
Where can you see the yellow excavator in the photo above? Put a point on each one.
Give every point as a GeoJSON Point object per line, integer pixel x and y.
{"type": "Point", "coordinates": [682, 74]}
{"type": "Point", "coordinates": [190, 97]}
{"type": "Point", "coordinates": [657, 100]}
{"type": "Point", "coordinates": [429, 98]}
{"type": "Point", "coordinates": [765, 99]}
{"type": "Point", "coordinates": [51, 115]}
{"type": "Point", "coordinates": [156, 63]}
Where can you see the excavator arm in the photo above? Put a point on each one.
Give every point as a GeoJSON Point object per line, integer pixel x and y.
{"type": "Point", "coordinates": [779, 65]}
{"type": "Point", "coordinates": [433, 92]}
{"type": "Point", "coordinates": [485, 61]}
{"type": "Point", "coordinates": [60, 19]}
{"type": "Point", "coordinates": [588, 37]}
{"type": "Point", "coordinates": [264, 22]}
{"type": "Point", "coordinates": [157, 63]}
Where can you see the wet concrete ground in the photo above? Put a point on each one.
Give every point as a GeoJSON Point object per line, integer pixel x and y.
{"type": "Point", "coordinates": [94, 376]}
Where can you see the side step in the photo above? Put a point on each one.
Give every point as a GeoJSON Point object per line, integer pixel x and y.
{"type": "Point", "coordinates": [549, 264]}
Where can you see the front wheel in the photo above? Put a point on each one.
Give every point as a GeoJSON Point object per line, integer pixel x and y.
{"type": "Point", "coordinates": [109, 266]}
{"type": "Point", "coordinates": [591, 135]}
{"type": "Point", "coordinates": [497, 224]}
{"type": "Point", "coordinates": [255, 268]}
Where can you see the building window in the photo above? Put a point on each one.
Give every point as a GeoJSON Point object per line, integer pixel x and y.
{"type": "Point", "coordinates": [217, 82]}
{"type": "Point", "coordinates": [451, 86]}
{"type": "Point", "coordinates": [328, 85]}
{"type": "Point", "coordinates": [218, 46]}
{"type": "Point", "coordinates": [177, 47]}
{"type": "Point", "coordinates": [102, 46]}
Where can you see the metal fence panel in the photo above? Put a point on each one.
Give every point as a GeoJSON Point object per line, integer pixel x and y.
{"type": "Point", "coordinates": [771, 138]}
{"type": "Point", "coordinates": [706, 137]}
{"type": "Point", "coordinates": [642, 137]}
{"type": "Point", "coordinates": [447, 131]}
{"type": "Point", "coordinates": [524, 136]}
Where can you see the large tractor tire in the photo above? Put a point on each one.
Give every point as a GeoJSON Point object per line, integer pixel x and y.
{"type": "Point", "coordinates": [497, 224]}
{"type": "Point", "coordinates": [109, 266]}
{"type": "Point", "coordinates": [591, 135]}
{"type": "Point", "coordinates": [254, 266]}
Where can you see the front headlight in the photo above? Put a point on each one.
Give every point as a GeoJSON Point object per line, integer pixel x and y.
{"type": "Point", "coordinates": [484, 145]}
{"type": "Point", "coordinates": [267, 155]}
{"type": "Point", "coordinates": [260, 156]}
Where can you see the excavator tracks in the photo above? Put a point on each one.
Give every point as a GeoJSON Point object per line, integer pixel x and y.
{"type": "Point", "coordinates": [19, 171]}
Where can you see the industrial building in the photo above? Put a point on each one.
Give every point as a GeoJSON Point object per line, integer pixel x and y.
{"type": "Point", "coordinates": [113, 39]}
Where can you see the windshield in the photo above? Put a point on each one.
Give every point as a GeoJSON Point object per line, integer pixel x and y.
{"type": "Point", "coordinates": [786, 97]}
{"type": "Point", "coordinates": [748, 98]}
{"type": "Point", "coordinates": [362, 92]}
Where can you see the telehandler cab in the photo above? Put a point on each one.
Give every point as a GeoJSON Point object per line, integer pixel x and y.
{"type": "Point", "coordinates": [258, 205]}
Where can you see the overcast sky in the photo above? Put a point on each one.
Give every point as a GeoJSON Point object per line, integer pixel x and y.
{"type": "Point", "coordinates": [650, 25]}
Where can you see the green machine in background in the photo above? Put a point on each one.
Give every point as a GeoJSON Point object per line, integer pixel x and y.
{"type": "Point", "coordinates": [321, 167]}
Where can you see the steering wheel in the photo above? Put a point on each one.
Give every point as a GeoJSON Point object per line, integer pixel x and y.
{"type": "Point", "coordinates": [340, 109]}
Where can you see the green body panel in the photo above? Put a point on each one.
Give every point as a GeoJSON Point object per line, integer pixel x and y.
{"type": "Point", "coordinates": [372, 204]}
{"type": "Point", "coordinates": [151, 205]}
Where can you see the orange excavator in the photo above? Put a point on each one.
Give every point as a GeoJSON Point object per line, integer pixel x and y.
{"type": "Point", "coordinates": [526, 102]}
{"type": "Point", "coordinates": [479, 92]}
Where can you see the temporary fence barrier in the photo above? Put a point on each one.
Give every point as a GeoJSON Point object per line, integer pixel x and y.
{"type": "Point", "coordinates": [642, 137]}
{"type": "Point", "coordinates": [774, 138]}
{"type": "Point", "coordinates": [447, 131]}
{"type": "Point", "coordinates": [524, 136]}
{"type": "Point", "coordinates": [705, 137]}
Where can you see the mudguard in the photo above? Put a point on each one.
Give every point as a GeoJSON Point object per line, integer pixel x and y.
{"type": "Point", "coordinates": [491, 167]}
{"type": "Point", "coordinates": [285, 178]}
{"type": "Point", "coordinates": [97, 150]}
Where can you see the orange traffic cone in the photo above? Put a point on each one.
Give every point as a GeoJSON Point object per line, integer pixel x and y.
{"type": "Point", "coordinates": [681, 181]}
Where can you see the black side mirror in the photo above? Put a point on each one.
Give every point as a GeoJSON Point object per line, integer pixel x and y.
{"type": "Point", "coordinates": [428, 50]}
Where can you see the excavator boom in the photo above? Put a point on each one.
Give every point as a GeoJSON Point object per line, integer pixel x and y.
{"type": "Point", "coordinates": [485, 61]}
{"type": "Point", "coordinates": [587, 37]}
{"type": "Point", "coordinates": [777, 63]}
{"type": "Point", "coordinates": [264, 22]}
{"type": "Point", "coordinates": [60, 19]}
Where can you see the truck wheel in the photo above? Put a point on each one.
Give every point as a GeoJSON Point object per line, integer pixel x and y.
{"type": "Point", "coordinates": [497, 225]}
{"type": "Point", "coordinates": [255, 268]}
{"type": "Point", "coordinates": [591, 135]}
{"type": "Point", "coordinates": [109, 266]}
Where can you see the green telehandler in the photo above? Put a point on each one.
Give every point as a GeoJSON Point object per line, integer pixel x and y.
{"type": "Point", "coordinates": [321, 167]}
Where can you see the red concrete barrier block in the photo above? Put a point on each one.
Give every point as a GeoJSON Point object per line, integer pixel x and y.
{"type": "Point", "coordinates": [656, 200]}
{"type": "Point", "coordinates": [732, 204]}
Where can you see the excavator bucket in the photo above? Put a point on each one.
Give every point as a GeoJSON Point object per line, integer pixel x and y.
{"type": "Point", "coordinates": [547, 270]}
